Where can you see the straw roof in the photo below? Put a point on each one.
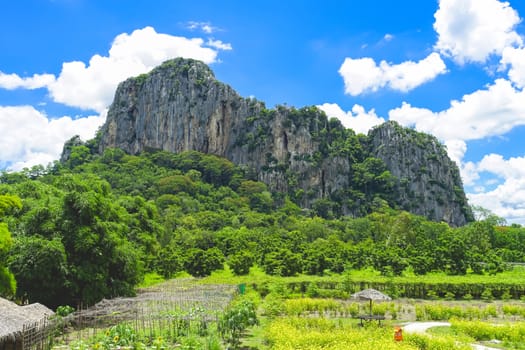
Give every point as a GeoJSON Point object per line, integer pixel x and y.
{"type": "Point", "coordinates": [4, 303]}
{"type": "Point", "coordinates": [14, 317]}
{"type": "Point", "coordinates": [370, 294]}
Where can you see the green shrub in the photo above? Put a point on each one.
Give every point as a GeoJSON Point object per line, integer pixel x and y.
{"type": "Point", "coordinates": [64, 310]}
{"type": "Point", "coordinates": [487, 295]}
{"type": "Point", "coordinates": [450, 296]}
{"type": "Point", "coordinates": [467, 296]}
{"type": "Point", "coordinates": [239, 316]}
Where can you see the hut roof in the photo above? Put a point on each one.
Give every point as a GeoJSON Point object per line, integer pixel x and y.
{"type": "Point", "coordinates": [370, 294]}
{"type": "Point", "coordinates": [14, 317]}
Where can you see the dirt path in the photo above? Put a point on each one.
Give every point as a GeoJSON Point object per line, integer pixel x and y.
{"type": "Point", "coordinates": [422, 327]}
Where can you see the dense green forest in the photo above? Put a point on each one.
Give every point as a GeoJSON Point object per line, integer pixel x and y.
{"type": "Point", "coordinates": [91, 227]}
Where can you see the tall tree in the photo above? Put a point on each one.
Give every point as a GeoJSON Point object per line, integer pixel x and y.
{"type": "Point", "coordinates": [8, 204]}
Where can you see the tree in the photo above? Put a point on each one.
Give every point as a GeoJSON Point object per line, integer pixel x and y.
{"type": "Point", "coordinates": [324, 208]}
{"type": "Point", "coordinates": [256, 192]}
{"type": "Point", "coordinates": [40, 268]}
{"type": "Point", "coordinates": [200, 263]}
{"type": "Point", "coordinates": [483, 214]}
{"type": "Point", "coordinates": [282, 262]}
{"type": "Point", "coordinates": [8, 204]}
{"type": "Point", "coordinates": [169, 261]}
{"type": "Point", "coordinates": [101, 260]}
{"type": "Point", "coordinates": [7, 280]}
{"type": "Point", "coordinates": [241, 262]}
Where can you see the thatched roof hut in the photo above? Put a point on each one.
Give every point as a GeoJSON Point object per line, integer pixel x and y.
{"type": "Point", "coordinates": [15, 319]}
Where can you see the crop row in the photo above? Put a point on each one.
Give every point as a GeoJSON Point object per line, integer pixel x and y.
{"type": "Point", "coordinates": [429, 310]}
{"type": "Point", "coordinates": [318, 333]}
{"type": "Point", "coordinates": [411, 289]}
{"type": "Point", "coordinates": [510, 332]}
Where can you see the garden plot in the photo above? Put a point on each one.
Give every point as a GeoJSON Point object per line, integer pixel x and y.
{"type": "Point", "coordinates": [171, 309]}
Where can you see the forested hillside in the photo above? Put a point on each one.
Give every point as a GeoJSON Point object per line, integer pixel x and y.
{"type": "Point", "coordinates": [91, 227]}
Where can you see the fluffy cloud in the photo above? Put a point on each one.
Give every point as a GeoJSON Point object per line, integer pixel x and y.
{"type": "Point", "coordinates": [364, 75]}
{"type": "Point", "coordinates": [513, 168]}
{"type": "Point", "coordinates": [29, 137]}
{"type": "Point", "coordinates": [507, 199]}
{"type": "Point", "coordinates": [13, 81]}
{"type": "Point", "coordinates": [456, 149]}
{"type": "Point", "coordinates": [470, 174]}
{"type": "Point", "coordinates": [489, 112]}
{"type": "Point", "coordinates": [515, 58]}
{"type": "Point", "coordinates": [91, 87]}
{"type": "Point", "coordinates": [472, 30]}
{"type": "Point", "coordinates": [219, 45]}
{"type": "Point", "coordinates": [357, 119]}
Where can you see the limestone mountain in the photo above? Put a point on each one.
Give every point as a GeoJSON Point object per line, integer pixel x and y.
{"type": "Point", "coordinates": [298, 153]}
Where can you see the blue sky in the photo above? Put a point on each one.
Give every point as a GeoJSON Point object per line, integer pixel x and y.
{"type": "Point", "coordinates": [451, 68]}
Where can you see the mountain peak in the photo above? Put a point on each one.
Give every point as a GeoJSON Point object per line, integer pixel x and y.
{"type": "Point", "coordinates": [298, 153]}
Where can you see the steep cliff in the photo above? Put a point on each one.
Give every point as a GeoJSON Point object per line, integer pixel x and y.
{"type": "Point", "coordinates": [318, 163]}
{"type": "Point", "coordinates": [427, 181]}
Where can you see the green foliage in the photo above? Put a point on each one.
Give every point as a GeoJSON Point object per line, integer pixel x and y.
{"type": "Point", "coordinates": [40, 267]}
{"type": "Point", "coordinates": [8, 204]}
{"type": "Point", "coordinates": [97, 226]}
{"type": "Point", "coordinates": [201, 262]}
{"type": "Point", "coordinates": [510, 332]}
{"type": "Point", "coordinates": [118, 336]}
{"type": "Point", "coordinates": [257, 194]}
{"type": "Point", "coordinates": [282, 262]}
{"type": "Point", "coordinates": [64, 310]}
{"type": "Point", "coordinates": [241, 262]}
{"type": "Point", "coordinates": [487, 295]}
{"type": "Point", "coordinates": [7, 283]}
{"type": "Point", "coordinates": [239, 316]}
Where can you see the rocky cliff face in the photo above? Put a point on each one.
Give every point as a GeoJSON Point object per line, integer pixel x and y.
{"type": "Point", "coordinates": [427, 181]}
{"type": "Point", "coordinates": [180, 106]}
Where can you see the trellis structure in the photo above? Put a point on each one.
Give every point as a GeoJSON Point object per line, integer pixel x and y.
{"type": "Point", "coordinates": [173, 307]}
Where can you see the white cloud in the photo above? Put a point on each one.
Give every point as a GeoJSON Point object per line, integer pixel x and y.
{"type": "Point", "coordinates": [357, 119]}
{"type": "Point", "coordinates": [206, 27]}
{"type": "Point", "coordinates": [30, 138]}
{"type": "Point", "coordinates": [484, 113]}
{"type": "Point", "coordinates": [92, 86]}
{"type": "Point", "coordinates": [507, 169]}
{"type": "Point", "coordinates": [515, 58]}
{"type": "Point", "coordinates": [507, 199]}
{"type": "Point", "coordinates": [456, 149]}
{"type": "Point", "coordinates": [219, 45]}
{"type": "Point", "coordinates": [13, 81]}
{"type": "Point", "coordinates": [469, 173]}
{"type": "Point", "coordinates": [363, 75]}
{"type": "Point", "coordinates": [388, 37]}
{"type": "Point", "coordinates": [472, 30]}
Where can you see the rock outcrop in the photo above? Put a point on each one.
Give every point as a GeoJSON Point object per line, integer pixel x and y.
{"type": "Point", "coordinates": [427, 181]}
{"type": "Point", "coordinates": [180, 106]}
